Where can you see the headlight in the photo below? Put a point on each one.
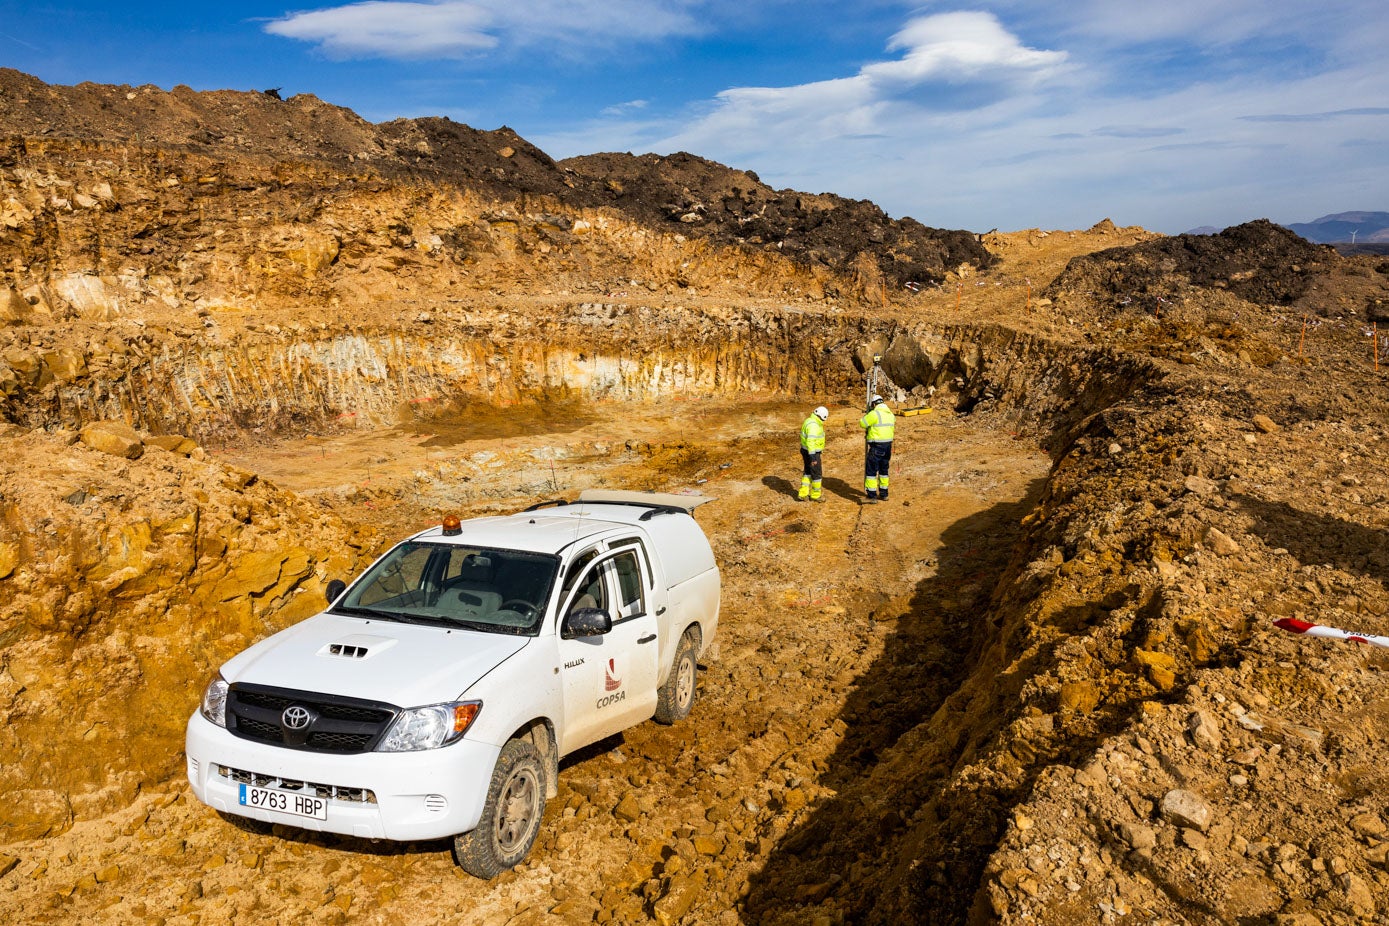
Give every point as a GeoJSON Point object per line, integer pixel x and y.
{"type": "Point", "coordinates": [214, 705]}
{"type": "Point", "coordinates": [429, 727]}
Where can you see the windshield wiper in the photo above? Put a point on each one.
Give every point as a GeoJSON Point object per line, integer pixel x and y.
{"type": "Point", "coordinates": [398, 616]}
{"type": "Point", "coordinates": [468, 625]}
{"type": "Point", "coordinates": [358, 612]}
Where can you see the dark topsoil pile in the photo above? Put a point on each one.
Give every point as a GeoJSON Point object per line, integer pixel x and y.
{"type": "Point", "coordinates": [1258, 261]}
{"type": "Point", "coordinates": [700, 197]}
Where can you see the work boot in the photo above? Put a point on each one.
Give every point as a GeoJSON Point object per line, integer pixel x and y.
{"type": "Point", "coordinates": [872, 496]}
{"type": "Point", "coordinates": [882, 493]}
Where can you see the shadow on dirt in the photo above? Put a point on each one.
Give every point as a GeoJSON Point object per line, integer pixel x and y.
{"type": "Point", "coordinates": [780, 486]}
{"type": "Point", "coordinates": [1319, 539]}
{"type": "Point", "coordinates": [843, 490]}
{"type": "Point", "coordinates": [902, 838]}
{"type": "Point", "coordinates": [831, 485]}
{"type": "Point", "coordinates": [380, 848]}
{"type": "Point", "coordinates": [933, 651]}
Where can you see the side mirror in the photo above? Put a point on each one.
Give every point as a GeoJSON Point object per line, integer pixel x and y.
{"type": "Point", "coordinates": [335, 589]}
{"type": "Point", "coordinates": [586, 622]}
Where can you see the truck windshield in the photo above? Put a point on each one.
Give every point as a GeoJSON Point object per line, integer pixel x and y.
{"type": "Point", "coordinates": [497, 591]}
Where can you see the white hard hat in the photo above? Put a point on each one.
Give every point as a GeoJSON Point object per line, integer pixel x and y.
{"type": "Point", "coordinates": [876, 399]}
{"type": "Point", "coordinates": [822, 413]}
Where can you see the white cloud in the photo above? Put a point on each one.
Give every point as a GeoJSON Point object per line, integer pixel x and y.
{"type": "Point", "coordinates": [385, 28]}
{"type": "Point", "coordinates": [950, 62]}
{"type": "Point", "coordinates": [466, 28]}
{"type": "Point", "coordinates": [969, 126]}
{"type": "Point", "coordinates": [957, 47]}
{"type": "Point", "coordinates": [622, 109]}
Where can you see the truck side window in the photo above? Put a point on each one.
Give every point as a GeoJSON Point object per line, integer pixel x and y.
{"type": "Point", "coordinates": [631, 603]}
{"type": "Point", "coordinates": [576, 568]}
{"type": "Point", "coordinates": [592, 591]}
{"type": "Point", "coordinates": [637, 544]}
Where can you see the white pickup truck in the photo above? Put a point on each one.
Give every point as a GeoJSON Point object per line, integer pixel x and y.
{"type": "Point", "coordinates": [437, 693]}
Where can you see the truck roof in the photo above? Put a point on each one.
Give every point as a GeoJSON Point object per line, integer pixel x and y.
{"type": "Point", "coordinates": [552, 526]}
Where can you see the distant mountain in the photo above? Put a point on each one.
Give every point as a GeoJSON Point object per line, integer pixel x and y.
{"type": "Point", "coordinates": [1204, 230]}
{"type": "Point", "coordinates": [1344, 227]}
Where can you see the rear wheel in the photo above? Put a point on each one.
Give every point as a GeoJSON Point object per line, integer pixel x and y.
{"type": "Point", "coordinates": [677, 695]}
{"type": "Point", "coordinates": [511, 815]}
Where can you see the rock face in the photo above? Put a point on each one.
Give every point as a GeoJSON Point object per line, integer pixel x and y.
{"type": "Point", "coordinates": [126, 581]}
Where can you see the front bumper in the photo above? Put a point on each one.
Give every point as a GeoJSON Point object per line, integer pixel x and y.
{"type": "Point", "coordinates": [400, 796]}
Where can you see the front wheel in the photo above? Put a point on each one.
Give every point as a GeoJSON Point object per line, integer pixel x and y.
{"type": "Point", "coordinates": [677, 695]}
{"type": "Point", "coordinates": [510, 817]}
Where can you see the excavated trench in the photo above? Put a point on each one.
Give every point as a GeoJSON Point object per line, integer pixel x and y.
{"type": "Point", "coordinates": [830, 801]}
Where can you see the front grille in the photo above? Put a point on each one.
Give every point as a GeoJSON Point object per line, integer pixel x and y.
{"type": "Point", "coordinates": [254, 729]}
{"type": "Point", "coordinates": [331, 792]}
{"type": "Point", "coordinates": [339, 742]}
{"type": "Point", "coordinates": [335, 724]}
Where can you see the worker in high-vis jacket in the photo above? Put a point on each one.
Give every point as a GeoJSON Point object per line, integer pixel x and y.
{"type": "Point", "coordinates": [812, 445]}
{"type": "Point", "coordinates": [878, 426]}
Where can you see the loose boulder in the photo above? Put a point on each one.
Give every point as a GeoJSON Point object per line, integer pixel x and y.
{"type": "Point", "coordinates": [114, 437]}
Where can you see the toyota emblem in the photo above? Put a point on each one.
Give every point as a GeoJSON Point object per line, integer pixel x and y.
{"type": "Point", "coordinates": [296, 717]}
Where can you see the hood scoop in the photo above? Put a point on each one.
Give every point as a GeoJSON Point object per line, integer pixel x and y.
{"type": "Point", "coordinates": [357, 646]}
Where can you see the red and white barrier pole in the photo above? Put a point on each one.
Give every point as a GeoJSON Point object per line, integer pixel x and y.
{"type": "Point", "coordinates": [1293, 625]}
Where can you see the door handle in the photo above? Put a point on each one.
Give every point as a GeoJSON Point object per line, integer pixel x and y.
{"type": "Point", "coordinates": [661, 610]}
{"type": "Point", "coordinates": [646, 639]}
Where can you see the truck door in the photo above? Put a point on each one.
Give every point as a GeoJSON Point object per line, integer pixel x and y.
{"type": "Point", "coordinates": [610, 679]}
{"type": "Point", "coordinates": [655, 598]}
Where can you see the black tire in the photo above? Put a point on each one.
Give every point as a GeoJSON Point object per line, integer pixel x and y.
{"type": "Point", "coordinates": [677, 695]}
{"type": "Point", "coordinates": [510, 817]}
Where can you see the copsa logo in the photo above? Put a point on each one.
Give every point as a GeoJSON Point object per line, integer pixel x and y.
{"type": "Point", "coordinates": [611, 683]}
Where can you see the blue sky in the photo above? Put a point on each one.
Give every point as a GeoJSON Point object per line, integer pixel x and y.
{"type": "Point", "coordinates": [1014, 114]}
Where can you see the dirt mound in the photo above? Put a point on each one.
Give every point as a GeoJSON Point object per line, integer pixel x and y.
{"type": "Point", "coordinates": [1253, 294]}
{"type": "Point", "coordinates": [247, 123]}
{"type": "Point", "coordinates": [735, 207]}
{"type": "Point", "coordinates": [682, 193]}
{"type": "Point", "coordinates": [1259, 262]}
